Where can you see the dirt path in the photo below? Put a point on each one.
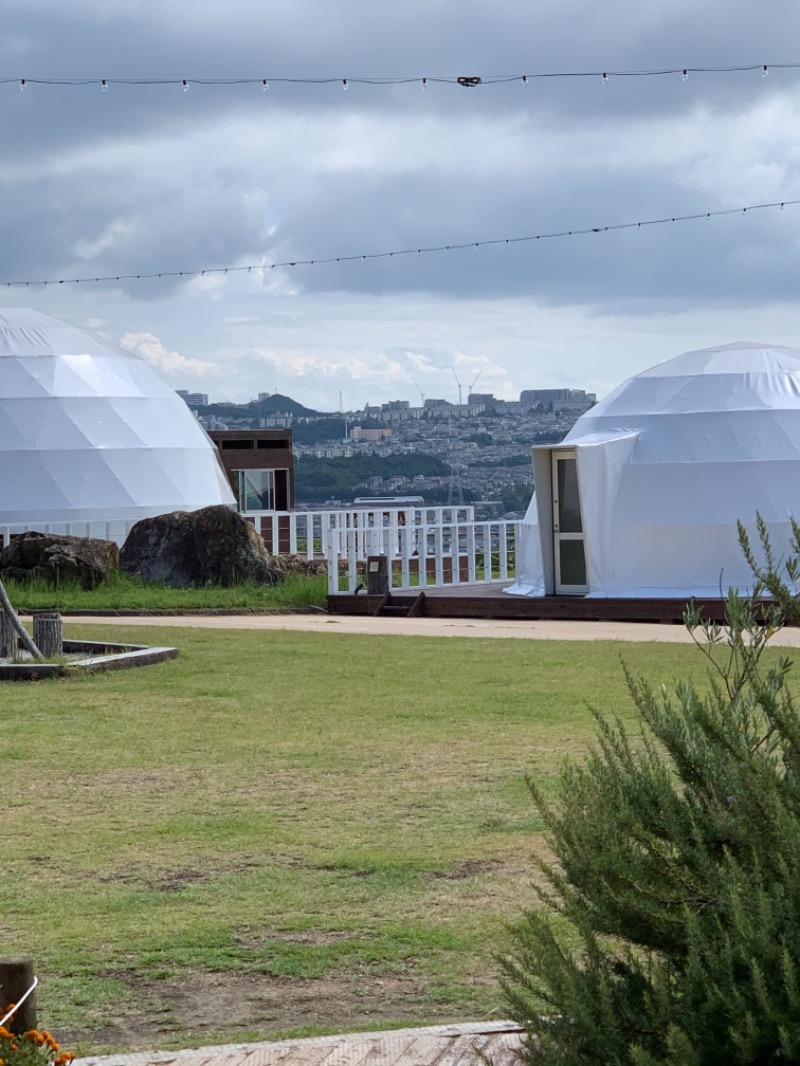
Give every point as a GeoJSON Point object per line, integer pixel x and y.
{"type": "Point", "coordinates": [428, 627]}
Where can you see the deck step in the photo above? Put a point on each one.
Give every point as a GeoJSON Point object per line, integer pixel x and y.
{"type": "Point", "coordinates": [400, 606]}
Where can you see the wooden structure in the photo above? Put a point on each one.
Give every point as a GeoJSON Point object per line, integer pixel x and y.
{"type": "Point", "coordinates": [259, 467]}
{"type": "Point", "coordinates": [490, 601]}
{"type": "Point", "coordinates": [470, 1044]}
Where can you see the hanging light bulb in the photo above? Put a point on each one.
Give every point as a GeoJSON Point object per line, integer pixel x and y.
{"type": "Point", "coordinates": [264, 85]}
{"type": "Point", "coordinates": [765, 71]}
{"type": "Point", "coordinates": [344, 84]}
{"type": "Point", "coordinates": [104, 86]}
{"type": "Point", "coordinates": [185, 85]}
{"type": "Point", "coordinates": [524, 79]}
{"type": "Point", "coordinates": [22, 85]}
{"type": "Point", "coordinates": [424, 84]}
{"type": "Point", "coordinates": [605, 78]}
{"type": "Point", "coordinates": [685, 75]}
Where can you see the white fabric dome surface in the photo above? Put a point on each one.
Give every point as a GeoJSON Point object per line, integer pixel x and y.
{"type": "Point", "coordinates": [667, 464]}
{"type": "Point", "coordinates": [90, 433]}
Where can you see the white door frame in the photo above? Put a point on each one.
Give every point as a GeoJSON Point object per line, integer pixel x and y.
{"type": "Point", "coordinates": [560, 536]}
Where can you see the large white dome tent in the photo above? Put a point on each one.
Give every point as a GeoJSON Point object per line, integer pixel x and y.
{"type": "Point", "coordinates": [642, 497]}
{"type": "Point", "coordinates": [90, 433]}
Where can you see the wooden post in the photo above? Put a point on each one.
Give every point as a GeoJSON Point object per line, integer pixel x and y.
{"type": "Point", "coordinates": [377, 575]}
{"type": "Point", "coordinates": [9, 641]}
{"type": "Point", "coordinates": [48, 633]}
{"type": "Point", "coordinates": [24, 637]}
{"type": "Point", "coordinates": [16, 977]}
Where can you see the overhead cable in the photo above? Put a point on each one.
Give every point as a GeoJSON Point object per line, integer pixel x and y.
{"type": "Point", "coordinates": [465, 81]}
{"type": "Point", "coordinates": [396, 253]}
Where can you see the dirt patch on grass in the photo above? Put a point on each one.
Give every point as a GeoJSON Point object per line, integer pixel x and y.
{"type": "Point", "coordinates": [247, 1003]}
{"type": "Point", "coordinates": [313, 937]}
{"type": "Point", "coordinates": [468, 868]}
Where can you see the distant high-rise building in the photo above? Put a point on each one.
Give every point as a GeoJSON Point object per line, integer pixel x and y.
{"type": "Point", "coordinates": [544, 396]}
{"type": "Point", "coordinates": [193, 399]}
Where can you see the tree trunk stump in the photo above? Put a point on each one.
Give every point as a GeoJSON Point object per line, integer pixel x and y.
{"type": "Point", "coordinates": [16, 977]}
{"type": "Point", "coordinates": [48, 633]}
{"type": "Point", "coordinates": [9, 641]}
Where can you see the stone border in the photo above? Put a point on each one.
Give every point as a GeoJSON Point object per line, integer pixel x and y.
{"type": "Point", "coordinates": [100, 657]}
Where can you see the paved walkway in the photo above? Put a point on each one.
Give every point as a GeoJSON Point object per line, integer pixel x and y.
{"type": "Point", "coordinates": [442, 1045]}
{"type": "Point", "coordinates": [427, 627]}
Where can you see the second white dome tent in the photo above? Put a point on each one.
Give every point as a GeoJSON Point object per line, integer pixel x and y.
{"type": "Point", "coordinates": [642, 497]}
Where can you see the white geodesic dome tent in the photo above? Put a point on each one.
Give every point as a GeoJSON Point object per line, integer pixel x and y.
{"type": "Point", "coordinates": [642, 497]}
{"type": "Point", "coordinates": [90, 433]}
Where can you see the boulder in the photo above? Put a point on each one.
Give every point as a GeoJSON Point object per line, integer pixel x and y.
{"type": "Point", "coordinates": [187, 548]}
{"type": "Point", "coordinates": [54, 558]}
{"type": "Point", "coordinates": [298, 564]}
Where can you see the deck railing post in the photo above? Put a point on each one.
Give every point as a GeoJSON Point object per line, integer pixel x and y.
{"type": "Point", "coordinates": [332, 558]}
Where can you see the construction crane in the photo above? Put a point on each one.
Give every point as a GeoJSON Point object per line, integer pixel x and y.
{"type": "Point", "coordinates": [421, 393]}
{"type": "Point", "coordinates": [460, 386]}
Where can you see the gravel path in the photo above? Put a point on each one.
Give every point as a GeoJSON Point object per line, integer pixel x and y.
{"type": "Point", "coordinates": [428, 627]}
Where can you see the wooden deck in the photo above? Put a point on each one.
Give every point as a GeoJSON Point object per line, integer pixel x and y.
{"type": "Point", "coordinates": [490, 601]}
{"type": "Point", "coordinates": [470, 1044]}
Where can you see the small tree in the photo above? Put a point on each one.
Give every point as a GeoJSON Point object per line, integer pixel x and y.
{"type": "Point", "coordinates": [672, 927]}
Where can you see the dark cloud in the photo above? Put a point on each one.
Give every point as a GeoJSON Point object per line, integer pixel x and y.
{"type": "Point", "coordinates": [227, 209]}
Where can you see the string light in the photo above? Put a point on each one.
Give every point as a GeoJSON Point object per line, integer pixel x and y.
{"type": "Point", "coordinates": [364, 256]}
{"type": "Point", "coordinates": [464, 81]}
{"type": "Point", "coordinates": [264, 85]}
{"type": "Point", "coordinates": [104, 85]}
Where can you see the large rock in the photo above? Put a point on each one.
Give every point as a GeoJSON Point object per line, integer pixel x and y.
{"type": "Point", "coordinates": [298, 564]}
{"type": "Point", "coordinates": [212, 546]}
{"type": "Point", "coordinates": [87, 560]}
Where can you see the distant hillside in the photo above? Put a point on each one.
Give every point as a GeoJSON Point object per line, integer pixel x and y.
{"type": "Point", "coordinates": [272, 405]}
{"type": "Point", "coordinates": [283, 405]}
{"type": "Point", "coordinates": [322, 479]}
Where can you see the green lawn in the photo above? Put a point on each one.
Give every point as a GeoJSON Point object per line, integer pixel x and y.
{"type": "Point", "coordinates": [285, 831]}
{"type": "Point", "coordinates": [124, 592]}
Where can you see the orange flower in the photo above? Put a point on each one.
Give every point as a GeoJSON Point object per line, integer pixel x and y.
{"type": "Point", "coordinates": [62, 1059]}
{"type": "Point", "coordinates": [5, 1034]}
{"type": "Point", "coordinates": [48, 1039]}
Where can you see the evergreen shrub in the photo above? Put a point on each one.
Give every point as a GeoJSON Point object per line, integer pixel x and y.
{"type": "Point", "coordinates": [671, 926]}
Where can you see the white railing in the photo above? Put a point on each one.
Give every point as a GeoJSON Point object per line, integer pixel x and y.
{"type": "Point", "coordinates": [306, 532]}
{"type": "Point", "coordinates": [284, 532]}
{"type": "Point", "coordinates": [116, 531]}
{"type": "Point", "coordinates": [428, 555]}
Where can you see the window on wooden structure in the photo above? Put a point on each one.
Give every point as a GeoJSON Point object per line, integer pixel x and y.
{"type": "Point", "coordinates": [255, 490]}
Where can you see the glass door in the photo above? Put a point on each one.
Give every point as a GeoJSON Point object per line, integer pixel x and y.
{"type": "Point", "coordinates": [570, 559]}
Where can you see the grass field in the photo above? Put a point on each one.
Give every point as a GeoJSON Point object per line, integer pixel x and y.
{"type": "Point", "coordinates": [125, 592]}
{"type": "Point", "coordinates": [285, 832]}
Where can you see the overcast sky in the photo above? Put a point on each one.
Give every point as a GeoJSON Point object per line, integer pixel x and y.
{"type": "Point", "coordinates": [152, 178]}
